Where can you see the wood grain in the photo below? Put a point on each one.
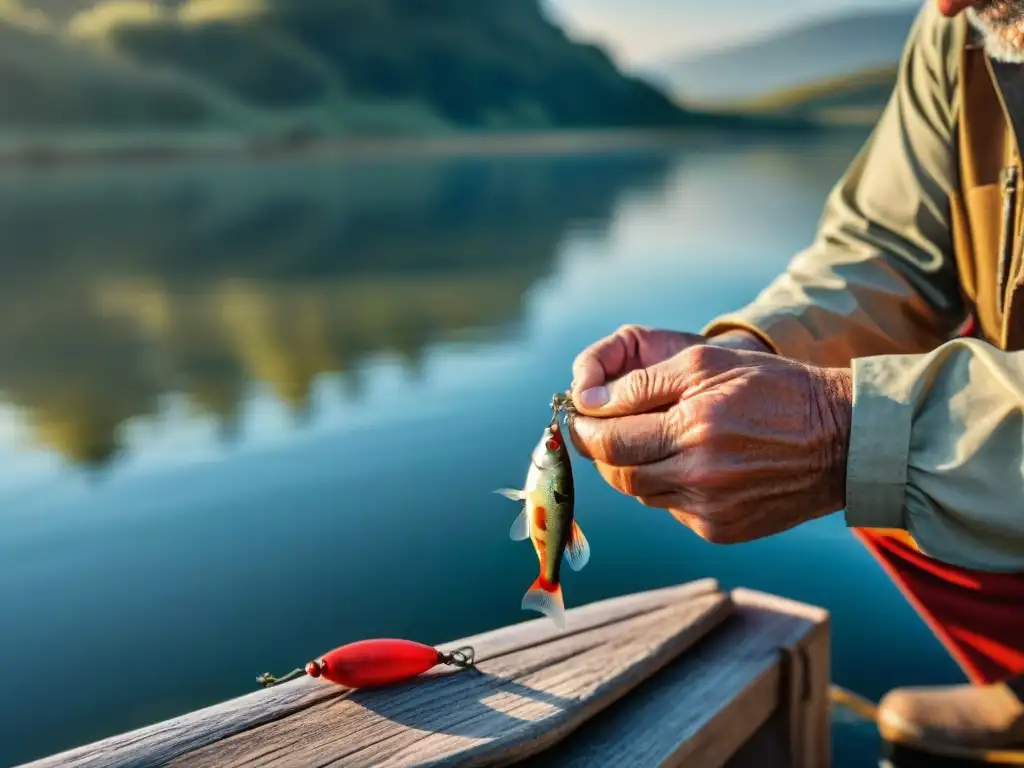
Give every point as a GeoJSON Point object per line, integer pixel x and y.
{"type": "Point", "coordinates": [533, 685]}
{"type": "Point", "coordinates": [516, 705]}
{"type": "Point", "coordinates": [703, 707]}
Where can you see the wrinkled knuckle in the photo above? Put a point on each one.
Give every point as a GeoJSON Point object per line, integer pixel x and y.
{"type": "Point", "coordinates": [637, 385]}
{"type": "Point", "coordinates": [665, 440]}
{"type": "Point", "coordinates": [698, 475]}
{"type": "Point", "coordinates": [676, 423]}
{"type": "Point", "coordinates": [701, 356]}
{"type": "Point", "coordinates": [700, 426]}
{"type": "Point", "coordinates": [697, 469]}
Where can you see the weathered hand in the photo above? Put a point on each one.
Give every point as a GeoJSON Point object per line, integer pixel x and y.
{"type": "Point", "coordinates": [635, 346]}
{"type": "Point", "coordinates": [736, 444]}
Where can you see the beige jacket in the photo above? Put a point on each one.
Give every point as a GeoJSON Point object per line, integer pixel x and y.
{"type": "Point", "coordinates": [937, 445]}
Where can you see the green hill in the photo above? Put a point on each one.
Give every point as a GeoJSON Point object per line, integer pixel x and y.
{"type": "Point", "coordinates": [324, 67]}
{"type": "Point", "coordinates": [47, 81]}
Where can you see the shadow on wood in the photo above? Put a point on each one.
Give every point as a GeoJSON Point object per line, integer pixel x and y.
{"type": "Point", "coordinates": [456, 706]}
{"type": "Point", "coordinates": [753, 694]}
{"type": "Point", "coordinates": [684, 674]}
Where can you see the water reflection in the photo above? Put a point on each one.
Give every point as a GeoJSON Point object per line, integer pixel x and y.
{"type": "Point", "coordinates": [120, 287]}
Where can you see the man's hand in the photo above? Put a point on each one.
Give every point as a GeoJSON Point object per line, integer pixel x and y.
{"type": "Point", "coordinates": [635, 346]}
{"type": "Point", "coordinates": [738, 445]}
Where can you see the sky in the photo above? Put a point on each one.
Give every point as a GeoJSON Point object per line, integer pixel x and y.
{"type": "Point", "coordinates": [637, 32]}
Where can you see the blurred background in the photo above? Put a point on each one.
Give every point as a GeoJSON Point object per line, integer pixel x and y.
{"type": "Point", "coordinates": [286, 287]}
{"type": "Point", "coordinates": [179, 74]}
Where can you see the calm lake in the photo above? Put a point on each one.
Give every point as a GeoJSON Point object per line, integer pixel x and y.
{"type": "Point", "coordinates": [251, 413]}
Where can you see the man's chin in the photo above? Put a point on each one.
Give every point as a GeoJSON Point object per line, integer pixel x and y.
{"type": "Point", "coordinates": [953, 7]}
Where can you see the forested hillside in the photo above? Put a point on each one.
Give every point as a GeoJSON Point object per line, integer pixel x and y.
{"type": "Point", "coordinates": [326, 66]}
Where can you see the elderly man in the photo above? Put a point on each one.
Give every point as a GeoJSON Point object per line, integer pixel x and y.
{"type": "Point", "coordinates": [851, 383]}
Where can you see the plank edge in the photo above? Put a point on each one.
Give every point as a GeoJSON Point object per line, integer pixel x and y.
{"type": "Point", "coordinates": [171, 737]}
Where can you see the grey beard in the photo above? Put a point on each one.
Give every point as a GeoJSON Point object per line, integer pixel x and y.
{"type": "Point", "coordinates": [1001, 25]}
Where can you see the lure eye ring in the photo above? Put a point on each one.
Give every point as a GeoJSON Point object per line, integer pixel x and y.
{"type": "Point", "coordinates": [460, 657]}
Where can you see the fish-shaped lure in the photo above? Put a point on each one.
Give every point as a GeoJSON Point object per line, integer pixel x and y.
{"type": "Point", "coordinates": [547, 520]}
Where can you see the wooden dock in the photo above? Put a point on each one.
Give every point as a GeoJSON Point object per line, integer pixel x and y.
{"type": "Point", "coordinates": [687, 675]}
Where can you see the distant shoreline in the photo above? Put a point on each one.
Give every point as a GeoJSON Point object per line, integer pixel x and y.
{"type": "Point", "coordinates": [112, 150]}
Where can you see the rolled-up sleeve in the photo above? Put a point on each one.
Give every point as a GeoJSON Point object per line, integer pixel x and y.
{"type": "Point", "coordinates": [937, 449]}
{"type": "Point", "coordinates": [880, 277]}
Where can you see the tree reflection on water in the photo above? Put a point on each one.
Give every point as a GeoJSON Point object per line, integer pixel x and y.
{"type": "Point", "coordinates": [118, 287]}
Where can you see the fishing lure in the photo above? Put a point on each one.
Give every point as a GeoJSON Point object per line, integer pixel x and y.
{"type": "Point", "coordinates": [547, 518]}
{"type": "Point", "coordinates": [375, 663]}
{"type": "Point", "coordinates": [562, 404]}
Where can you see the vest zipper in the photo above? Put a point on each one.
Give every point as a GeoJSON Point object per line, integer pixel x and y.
{"type": "Point", "coordinates": [1006, 334]}
{"type": "Point", "coordinates": [1008, 178]}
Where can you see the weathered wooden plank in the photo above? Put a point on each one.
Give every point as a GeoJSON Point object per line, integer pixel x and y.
{"type": "Point", "coordinates": [516, 636]}
{"type": "Point", "coordinates": [512, 706]}
{"type": "Point", "coordinates": [809, 702]}
{"type": "Point", "coordinates": [281, 706]}
{"type": "Point", "coordinates": [700, 709]}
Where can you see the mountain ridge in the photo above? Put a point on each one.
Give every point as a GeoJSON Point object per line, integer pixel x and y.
{"type": "Point", "coordinates": [320, 68]}
{"type": "Point", "coordinates": [820, 49]}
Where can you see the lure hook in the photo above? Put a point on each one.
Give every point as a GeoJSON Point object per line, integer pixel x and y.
{"type": "Point", "coordinates": [267, 680]}
{"type": "Point", "coordinates": [562, 405]}
{"type": "Point", "coordinates": [461, 657]}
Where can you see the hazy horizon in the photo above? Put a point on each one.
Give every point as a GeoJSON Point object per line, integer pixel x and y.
{"type": "Point", "coordinates": [641, 32]}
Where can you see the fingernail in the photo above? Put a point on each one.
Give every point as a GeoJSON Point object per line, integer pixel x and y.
{"type": "Point", "coordinates": [594, 397]}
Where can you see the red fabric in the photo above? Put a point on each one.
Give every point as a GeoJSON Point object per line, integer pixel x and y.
{"type": "Point", "coordinates": [970, 329]}
{"type": "Point", "coordinates": [978, 616]}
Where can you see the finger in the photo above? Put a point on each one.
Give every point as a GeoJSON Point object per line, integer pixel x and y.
{"type": "Point", "coordinates": [640, 482]}
{"type": "Point", "coordinates": [629, 348]}
{"type": "Point", "coordinates": [693, 521]}
{"type": "Point", "coordinates": [659, 501]}
{"type": "Point", "coordinates": [623, 441]}
{"type": "Point", "coordinates": [639, 391]}
{"type": "Point", "coordinates": [608, 358]}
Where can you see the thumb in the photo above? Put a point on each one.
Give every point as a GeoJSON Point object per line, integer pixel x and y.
{"type": "Point", "coordinates": [640, 391]}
